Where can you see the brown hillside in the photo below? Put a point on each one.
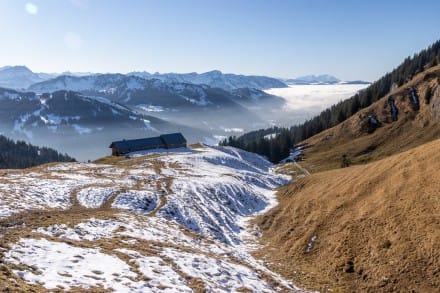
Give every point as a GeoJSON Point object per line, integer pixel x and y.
{"type": "Point", "coordinates": [377, 226]}
{"type": "Point", "coordinates": [351, 138]}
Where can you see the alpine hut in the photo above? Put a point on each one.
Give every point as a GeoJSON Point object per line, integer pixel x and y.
{"type": "Point", "coordinates": [164, 141]}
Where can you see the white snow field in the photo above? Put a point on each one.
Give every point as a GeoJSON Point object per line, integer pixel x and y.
{"type": "Point", "coordinates": [153, 222]}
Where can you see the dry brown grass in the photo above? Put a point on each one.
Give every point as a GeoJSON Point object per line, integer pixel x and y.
{"type": "Point", "coordinates": [377, 226]}
{"type": "Point", "coordinates": [196, 146]}
{"type": "Point", "coordinates": [292, 168]}
{"type": "Point", "coordinates": [412, 129]}
{"type": "Point", "coordinates": [111, 160]}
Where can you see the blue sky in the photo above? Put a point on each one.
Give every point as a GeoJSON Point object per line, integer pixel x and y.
{"type": "Point", "coordinates": [283, 38]}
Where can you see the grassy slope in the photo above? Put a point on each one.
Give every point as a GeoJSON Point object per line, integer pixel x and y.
{"type": "Point", "coordinates": [377, 224]}
{"type": "Point", "coordinates": [383, 217]}
{"type": "Point", "coordinates": [350, 137]}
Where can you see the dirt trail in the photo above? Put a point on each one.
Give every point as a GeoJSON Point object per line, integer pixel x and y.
{"type": "Point", "coordinates": [304, 170]}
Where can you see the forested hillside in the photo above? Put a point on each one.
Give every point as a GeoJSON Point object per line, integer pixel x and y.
{"type": "Point", "coordinates": [276, 142]}
{"type": "Point", "coordinates": [19, 154]}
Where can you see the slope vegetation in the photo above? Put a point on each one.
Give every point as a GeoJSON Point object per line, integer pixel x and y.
{"type": "Point", "coordinates": [355, 139]}
{"type": "Point", "coordinates": [19, 154]}
{"type": "Point", "coordinates": [369, 228]}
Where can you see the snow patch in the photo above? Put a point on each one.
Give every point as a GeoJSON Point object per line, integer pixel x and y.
{"type": "Point", "coordinates": [137, 201]}
{"type": "Point", "coordinates": [59, 264]}
{"type": "Point", "coordinates": [94, 197]}
{"type": "Point", "coordinates": [217, 275]}
{"type": "Point", "coordinates": [92, 230]}
{"type": "Point", "coordinates": [159, 273]}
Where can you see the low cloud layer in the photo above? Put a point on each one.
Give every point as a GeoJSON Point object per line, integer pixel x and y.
{"type": "Point", "coordinates": [315, 97]}
{"type": "Point", "coordinates": [305, 101]}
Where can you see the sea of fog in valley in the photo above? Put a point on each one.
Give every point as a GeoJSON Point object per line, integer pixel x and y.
{"type": "Point", "coordinates": [305, 101]}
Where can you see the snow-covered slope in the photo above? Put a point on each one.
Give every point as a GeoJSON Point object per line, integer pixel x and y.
{"type": "Point", "coordinates": [198, 106]}
{"type": "Point", "coordinates": [176, 222]}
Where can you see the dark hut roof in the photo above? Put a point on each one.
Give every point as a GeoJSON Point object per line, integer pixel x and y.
{"type": "Point", "coordinates": [136, 143]}
{"type": "Point", "coordinates": [164, 140]}
{"type": "Point", "coordinates": [173, 138]}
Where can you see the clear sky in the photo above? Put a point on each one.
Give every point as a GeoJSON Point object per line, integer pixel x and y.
{"type": "Point", "coordinates": [351, 39]}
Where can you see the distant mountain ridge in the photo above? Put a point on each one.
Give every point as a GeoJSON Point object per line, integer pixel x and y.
{"type": "Point", "coordinates": [216, 78]}
{"type": "Point", "coordinates": [320, 79]}
{"type": "Point", "coordinates": [21, 77]}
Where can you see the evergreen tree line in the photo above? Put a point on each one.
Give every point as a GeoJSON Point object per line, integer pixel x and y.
{"type": "Point", "coordinates": [277, 147]}
{"type": "Point", "coordinates": [19, 154]}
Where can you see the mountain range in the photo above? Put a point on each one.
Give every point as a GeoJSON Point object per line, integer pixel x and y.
{"type": "Point", "coordinates": [68, 111]}
{"type": "Point", "coordinates": [21, 77]}
{"type": "Point", "coordinates": [216, 78]}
